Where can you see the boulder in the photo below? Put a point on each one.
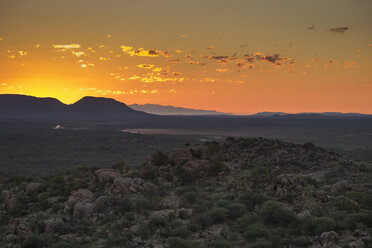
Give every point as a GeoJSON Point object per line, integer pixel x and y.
{"type": "Point", "coordinates": [339, 186]}
{"type": "Point", "coordinates": [199, 165]}
{"type": "Point", "coordinates": [23, 230]}
{"type": "Point", "coordinates": [80, 195]}
{"type": "Point", "coordinates": [53, 225]}
{"type": "Point", "coordinates": [32, 188]}
{"type": "Point", "coordinates": [105, 175]}
{"type": "Point", "coordinates": [10, 199]}
{"type": "Point", "coordinates": [329, 239]}
{"type": "Point", "coordinates": [83, 210]}
{"type": "Point", "coordinates": [180, 155]}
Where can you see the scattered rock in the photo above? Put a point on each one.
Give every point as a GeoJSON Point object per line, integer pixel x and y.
{"type": "Point", "coordinates": [32, 188]}
{"type": "Point", "coordinates": [329, 239]}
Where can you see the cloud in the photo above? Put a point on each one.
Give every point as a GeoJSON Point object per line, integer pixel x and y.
{"type": "Point", "coordinates": [222, 70]}
{"type": "Point", "coordinates": [144, 53]}
{"type": "Point", "coordinates": [339, 30]}
{"type": "Point", "coordinates": [64, 47]}
{"type": "Point", "coordinates": [311, 27]}
{"type": "Point", "coordinates": [145, 66]}
{"type": "Point", "coordinates": [184, 36]}
{"type": "Point", "coordinates": [370, 45]}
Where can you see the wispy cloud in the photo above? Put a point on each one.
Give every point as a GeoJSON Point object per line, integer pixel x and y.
{"type": "Point", "coordinates": [69, 46]}
{"type": "Point", "coordinates": [339, 30]}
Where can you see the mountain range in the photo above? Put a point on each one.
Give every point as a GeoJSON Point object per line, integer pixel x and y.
{"type": "Point", "coordinates": [106, 109]}
{"type": "Point", "coordinates": [86, 109]}
{"type": "Point", "coordinates": [172, 110]}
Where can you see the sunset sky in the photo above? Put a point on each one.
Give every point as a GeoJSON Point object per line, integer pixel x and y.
{"type": "Point", "coordinates": [239, 56]}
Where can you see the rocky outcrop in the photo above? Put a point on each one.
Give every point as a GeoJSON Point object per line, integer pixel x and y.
{"type": "Point", "coordinates": [287, 183]}
{"type": "Point", "coordinates": [80, 202]}
{"type": "Point", "coordinates": [105, 175]}
{"type": "Point", "coordinates": [180, 155]}
{"type": "Point", "coordinates": [83, 210]}
{"type": "Point", "coordinates": [53, 225]}
{"type": "Point", "coordinates": [10, 199]}
{"type": "Point", "coordinates": [329, 239]}
{"type": "Point", "coordinates": [32, 188]}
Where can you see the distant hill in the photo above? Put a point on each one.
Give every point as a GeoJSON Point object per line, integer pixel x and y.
{"type": "Point", "coordinates": [309, 114]}
{"type": "Point", "coordinates": [171, 110]}
{"type": "Point", "coordinates": [86, 109]}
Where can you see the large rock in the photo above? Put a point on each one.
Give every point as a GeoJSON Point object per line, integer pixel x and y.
{"type": "Point", "coordinates": [180, 155]}
{"type": "Point", "coordinates": [287, 183]}
{"type": "Point", "coordinates": [10, 199]}
{"type": "Point", "coordinates": [339, 186]}
{"type": "Point", "coordinates": [83, 210]}
{"type": "Point", "coordinates": [200, 165]}
{"type": "Point", "coordinates": [329, 239]}
{"type": "Point", "coordinates": [127, 184]}
{"type": "Point", "coordinates": [53, 225]}
{"type": "Point", "coordinates": [32, 188]}
{"type": "Point", "coordinates": [105, 175]}
{"type": "Point", "coordinates": [80, 195]}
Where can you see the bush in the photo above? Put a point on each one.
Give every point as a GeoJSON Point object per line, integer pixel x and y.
{"type": "Point", "coordinates": [274, 213]}
{"type": "Point", "coordinates": [121, 166]}
{"type": "Point", "coordinates": [352, 221]}
{"type": "Point", "coordinates": [190, 197]}
{"type": "Point", "coordinates": [251, 199]}
{"type": "Point", "coordinates": [318, 225]}
{"type": "Point", "coordinates": [215, 167]}
{"type": "Point", "coordinates": [159, 158]}
{"type": "Point", "coordinates": [175, 242]}
{"type": "Point", "coordinates": [261, 243]}
{"type": "Point", "coordinates": [218, 215]}
{"type": "Point", "coordinates": [246, 220]}
{"type": "Point", "coordinates": [219, 244]}
{"type": "Point", "coordinates": [236, 210]}
{"type": "Point", "coordinates": [256, 231]}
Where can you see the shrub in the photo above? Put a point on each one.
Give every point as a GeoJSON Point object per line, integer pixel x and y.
{"type": "Point", "coordinates": [318, 225]}
{"type": "Point", "coordinates": [121, 166]}
{"type": "Point", "coordinates": [251, 199]}
{"type": "Point", "coordinates": [236, 210]}
{"type": "Point", "coordinates": [159, 158]}
{"type": "Point", "coordinates": [256, 231]}
{"type": "Point", "coordinates": [217, 215]}
{"type": "Point", "coordinates": [352, 221]}
{"type": "Point", "coordinates": [274, 213]}
{"type": "Point", "coordinates": [246, 220]}
{"type": "Point", "coordinates": [215, 167]}
{"type": "Point", "coordinates": [261, 243]}
{"type": "Point", "coordinates": [219, 244]}
{"type": "Point", "coordinates": [190, 197]}
{"type": "Point", "coordinates": [175, 242]}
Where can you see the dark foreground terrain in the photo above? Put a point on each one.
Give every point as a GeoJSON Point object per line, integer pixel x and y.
{"type": "Point", "coordinates": [235, 193]}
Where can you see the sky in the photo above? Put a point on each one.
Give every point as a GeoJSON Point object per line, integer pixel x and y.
{"type": "Point", "coordinates": [237, 56]}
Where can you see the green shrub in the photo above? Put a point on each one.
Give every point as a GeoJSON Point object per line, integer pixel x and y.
{"type": "Point", "coordinates": [236, 210]}
{"type": "Point", "coordinates": [261, 243]}
{"type": "Point", "coordinates": [190, 197]}
{"type": "Point", "coordinates": [175, 242]}
{"type": "Point", "coordinates": [255, 231]}
{"type": "Point", "coordinates": [246, 220]}
{"type": "Point", "coordinates": [318, 225]}
{"type": "Point", "coordinates": [121, 166]}
{"type": "Point", "coordinates": [218, 215]}
{"type": "Point", "coordinates": [352, 221]}
{"type": "Point", "coordinates": [219, 244]}
{"type": "Point", "coordinates": [159, 158]}
{"type": "Point", "coordinates": [251, 199]}
{"type": "Point", "coordinates": [274, 213]}
{"type": "Point", "coordinates": [215, 167]}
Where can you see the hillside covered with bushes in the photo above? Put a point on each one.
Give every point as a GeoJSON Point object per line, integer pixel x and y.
{"type": "Point", "coordinates": [245, 193]}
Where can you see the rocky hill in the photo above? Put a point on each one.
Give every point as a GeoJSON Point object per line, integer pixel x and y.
{"type": "Point", "coordinates": [235, 193]}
